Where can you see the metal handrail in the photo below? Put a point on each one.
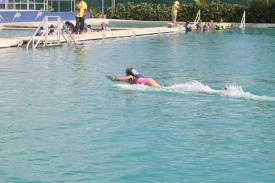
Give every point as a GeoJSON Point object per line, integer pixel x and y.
{"type": "Point", "coordinates": [242, 25]}
{"type": "Point", "coordinates": [36, 31]}
{"type": "Point", "coordinates": [35, 40]}
{"type": "Point", "coordinates": [198, 17]}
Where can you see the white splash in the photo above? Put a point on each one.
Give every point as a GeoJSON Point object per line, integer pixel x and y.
{"type": "Point", "coordinates": [235, 91]}
{"type": "Point", "coordinates": [231, 91]}
{"type": "Point", "coordinates": [193, 86]}
{"type": "Point", "coordinates": [1, 18]}
{"type": "Point", "coordinates": [136, 87]}
{"type": "Point", "coordinates": [17, 15]}
{"type": "Point", "coordinates": [39, 14]}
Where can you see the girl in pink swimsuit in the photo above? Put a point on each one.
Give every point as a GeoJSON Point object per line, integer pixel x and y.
{"type": "Point", "coordinates": [144, 81]}
{"type": "Point", "coordinates": [134, 77]}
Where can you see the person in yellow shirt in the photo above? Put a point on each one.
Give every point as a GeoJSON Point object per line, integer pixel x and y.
{"type": "Point", "coordinates": [81, 10]}
{"type": "Point", "coordinates": [175, 8]}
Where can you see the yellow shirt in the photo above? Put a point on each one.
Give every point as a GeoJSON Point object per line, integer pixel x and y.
{"type": "Point", "coordinates": [80, 8]}
{"type": "Point", "coordinates": [175, 8]}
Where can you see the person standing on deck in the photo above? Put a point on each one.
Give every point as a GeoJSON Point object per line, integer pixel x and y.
{"type": "Point", "coordinates": [175, 8]}
{"type": "Point", "coordinates": [81, 10]}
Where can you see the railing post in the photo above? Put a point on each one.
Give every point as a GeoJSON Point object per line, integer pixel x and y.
{"type": "Point", "coordinates": [102, 8]}
{"type": "Point", "coordinates": [198, 17]}
{"type": "Point", "coordinates": [47, 30]}
{"type": "Point", "coordinates": [55, 39]}
{"type": "Point", "coordinates": [58, 30]}
{"type": "Point", "coordinates": [242, 25]}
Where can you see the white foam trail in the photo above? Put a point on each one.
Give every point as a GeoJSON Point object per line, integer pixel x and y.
{"type": "Point", "coordinates": [231, 91]}
{"type": "Point", "coordinates": [193, 86]}
{"type": "Point", "coordinates": [135, 87]}
{"type": "Point", "coordinates": [234, 91]}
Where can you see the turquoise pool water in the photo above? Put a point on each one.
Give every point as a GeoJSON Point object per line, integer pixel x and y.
{"type": "Point", "coordinates": [61, 120]}
{"type": "Point", "coordinates": [7, 33]}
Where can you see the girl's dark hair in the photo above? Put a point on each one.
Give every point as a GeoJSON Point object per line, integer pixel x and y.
{"type": "Point", "coordinates": [128, 71]}
{"type": "Point", "coordinates": [133, 72]}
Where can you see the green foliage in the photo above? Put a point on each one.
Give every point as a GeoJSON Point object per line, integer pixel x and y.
{"type": "Point", "coordinates": [261, 11]}
{"type": "Point", "coordinates": [201, 3]}
{"type": "Point", "coordinates": [187, 12]}
{"type": "Point", "coordinates": [95, 13]}
{"type": "Point", "coordinates": [141, 11]}
{"type": "Point", "coordinates": [107, 3]}
{"type": "Point", "coordinates": [257, 3]}
{"type": "Point", "coordinates": [257, 11]}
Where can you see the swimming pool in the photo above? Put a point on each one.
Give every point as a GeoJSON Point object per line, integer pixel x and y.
{"type": "Point", "coordinates": [7, 33]}
{"type": "Point", "coordinates": [61, 120]}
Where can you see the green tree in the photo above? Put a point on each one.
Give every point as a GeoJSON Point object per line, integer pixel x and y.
{"type": "Point", "coordinates": [201, 3]}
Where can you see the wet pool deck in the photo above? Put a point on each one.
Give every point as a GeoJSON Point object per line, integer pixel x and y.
{"type": "Point", "coordinates": [11, 42]}
{"type": "Point", "coordinates": [34, 25]}
{"type": "Point", "coordinates": [21, 41]}
{"type": "Point", "coordinates": [129, 32]}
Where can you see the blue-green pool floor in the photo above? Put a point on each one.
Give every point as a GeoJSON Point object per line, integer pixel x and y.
{"type": "Point", "coordinates": [61, 120]}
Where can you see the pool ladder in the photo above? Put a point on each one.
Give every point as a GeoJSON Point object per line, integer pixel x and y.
{"type": "Point", "coordinates": [54, 25]}
{"type": "Point", "coordinates": [198, 17]}
{"type": "Point", "coordinates": [242, 25]}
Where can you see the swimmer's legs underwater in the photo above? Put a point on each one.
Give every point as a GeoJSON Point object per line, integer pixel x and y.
{"type": "Point", "coordinates": [153, 83]}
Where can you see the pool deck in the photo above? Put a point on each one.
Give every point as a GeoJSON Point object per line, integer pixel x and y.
{"type": "Point", "coordinates": [11, 42]}
{"type": "Point", "coordinates": [34, 25]}
{"type": "Point", "coordinates": [21, 41]}
{"type": "Point", "coordinates": [159, 28]}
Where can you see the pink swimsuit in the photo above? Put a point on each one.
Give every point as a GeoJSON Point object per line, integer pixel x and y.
{"type": "Point", "coordinates": [144, 81]}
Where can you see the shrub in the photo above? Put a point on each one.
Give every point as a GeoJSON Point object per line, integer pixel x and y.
{"type": "Point", "coordinates": [261, 11]}
{"type": "Point", "coordinates": [257, 11]}
{"type": "Point", "coordinates": [94, 13]}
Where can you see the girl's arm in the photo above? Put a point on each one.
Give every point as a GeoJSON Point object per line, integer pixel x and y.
{"type": "Point", "coordinates": [121, 78]}
{"type": "Point", "coordinates": [124, 78]}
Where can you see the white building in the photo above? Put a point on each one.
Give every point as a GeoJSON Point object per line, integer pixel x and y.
{"type": "Point", "coordinates": [45, 5]}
